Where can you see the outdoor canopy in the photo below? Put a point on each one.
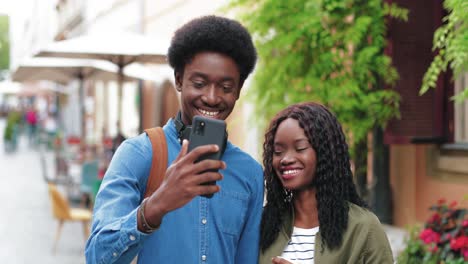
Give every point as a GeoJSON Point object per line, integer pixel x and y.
{"type": "Point", "coordinates": [65, 70]}
{"type": "Point", "coordinates": [120, 48]}
{"type": "Point", "coordinates": [9, 87]}
{"type": "Point", "coordinates": [62, 71]}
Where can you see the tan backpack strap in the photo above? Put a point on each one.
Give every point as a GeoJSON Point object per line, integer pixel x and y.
{"type": "Point", "coordinates": [159, 162]}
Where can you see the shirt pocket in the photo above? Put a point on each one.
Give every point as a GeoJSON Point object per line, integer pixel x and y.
{"type": "Point", "coordinates": [229, 211]}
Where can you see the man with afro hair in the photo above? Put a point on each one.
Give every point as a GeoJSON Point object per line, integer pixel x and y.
{"type": "Point", "coordinates": [184, 220]}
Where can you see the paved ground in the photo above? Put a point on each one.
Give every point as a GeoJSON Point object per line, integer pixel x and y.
{"type": "Point", "coordinates": [27, 227]}
{"type": "Point", "coordinates": [396, 236]}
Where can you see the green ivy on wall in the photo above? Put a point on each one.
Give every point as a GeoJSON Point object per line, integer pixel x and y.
{"type": "Point", "coordinates": [451, 42]}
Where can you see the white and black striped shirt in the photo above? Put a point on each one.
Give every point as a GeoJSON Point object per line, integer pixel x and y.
{"type": "Point", "coordinates": [300, 249]}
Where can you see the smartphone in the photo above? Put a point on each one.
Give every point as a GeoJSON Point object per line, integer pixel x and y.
{"type": "Point", "coordinates": [206, 131]}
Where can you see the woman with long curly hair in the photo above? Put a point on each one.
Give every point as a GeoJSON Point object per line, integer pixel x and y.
{"type": "Point", "coordinates": [313, 213]}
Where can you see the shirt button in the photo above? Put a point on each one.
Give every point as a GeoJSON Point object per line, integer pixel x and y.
{"type": "Point", "coordinates": [114, 254]}
{"type": "Point", "coordinates": [203, 257]}
{"type": "Point", "coordinates": [132, 237]}
{"type": "Point", "coordinates": [204, 221]}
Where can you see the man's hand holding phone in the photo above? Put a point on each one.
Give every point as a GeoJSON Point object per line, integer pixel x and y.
{"type": "Point", "coordinates": [188, 175]}
{"type": "Point", "coordinates": [206, 131]}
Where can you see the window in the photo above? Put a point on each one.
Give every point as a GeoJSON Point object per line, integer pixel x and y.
{"type": "Point", "coordinates": [461, 112]}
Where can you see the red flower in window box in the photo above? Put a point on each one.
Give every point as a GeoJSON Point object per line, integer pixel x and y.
{"type": "Point", "coordinates": [443, 239]}
{"type": "Point", "coordinates": [428, 236]}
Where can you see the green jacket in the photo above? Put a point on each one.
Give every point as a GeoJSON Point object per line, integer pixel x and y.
{"type": "Point", "coordinates": [364, 241]}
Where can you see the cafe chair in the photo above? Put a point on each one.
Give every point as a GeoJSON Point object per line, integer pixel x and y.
{"type": "Point", "coordinates": [63, 212]}
{"type": "Point", "coordinates": [61, 178]}
{"type": "Point", "coordinates": [89, 178]}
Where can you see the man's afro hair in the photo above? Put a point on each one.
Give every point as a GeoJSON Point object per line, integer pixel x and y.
{"type": "Point", "coordinates": [213, 33]}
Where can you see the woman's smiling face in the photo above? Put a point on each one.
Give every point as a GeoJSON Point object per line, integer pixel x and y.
{"type": "Point", "coordinates": [294, 159]}
{"type": "Point", "coordinates": [210, 86]}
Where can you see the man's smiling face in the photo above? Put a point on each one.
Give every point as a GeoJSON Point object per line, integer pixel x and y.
{"type": "Point", "coordinates": [209, 86]}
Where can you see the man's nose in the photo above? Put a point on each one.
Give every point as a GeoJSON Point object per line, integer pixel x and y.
{"type": "Point", "coordinates": [211, 96]}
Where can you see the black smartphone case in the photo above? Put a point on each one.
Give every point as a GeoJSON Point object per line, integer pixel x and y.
{"type": "Point", "coordinates": [206, 131]}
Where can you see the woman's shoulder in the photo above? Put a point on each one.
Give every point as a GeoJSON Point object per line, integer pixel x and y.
{"type": "Point", "coordinates": [361, 216]}
{"type": "Point", "coordinates": [284, 235]}
{"type": "Point", "coordinates": [365, 224]}
{"type": "Point", "coordinates": [365, 228]}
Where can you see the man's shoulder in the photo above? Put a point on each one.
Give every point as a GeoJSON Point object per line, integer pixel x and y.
{"type": "Point", "coordinates": [140, 142]}
{"type": "Point", "coordinates": [240, 155]}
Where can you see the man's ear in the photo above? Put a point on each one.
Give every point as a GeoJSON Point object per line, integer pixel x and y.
{"type": "Point", "coordinates": [178, 80]}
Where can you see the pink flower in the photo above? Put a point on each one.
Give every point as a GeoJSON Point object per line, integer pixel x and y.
{"type": "Point", "coordinates": [465, 253]}
{"type": "Point", "coordinates": [460, 242]}
{"type": "Point", "coordinates": [465, 223]}
{"type": "Point", "coordinates": [453, 204]}
{"type": "Point", "coordinates": [428, 236]}
{"type": "Point", "coordinates": [434, 218]}
{"type": "Point", "coordinates": [441, 201]}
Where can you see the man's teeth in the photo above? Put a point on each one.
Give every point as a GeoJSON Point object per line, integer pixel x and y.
{"type": "Point", "coordinates": [288, 172]}
{"type": "Point", "coordinates": [207, 113]}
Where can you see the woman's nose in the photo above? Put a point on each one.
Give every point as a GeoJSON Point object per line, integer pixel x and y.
{"type": "Point", "coordinates": [287, 159]}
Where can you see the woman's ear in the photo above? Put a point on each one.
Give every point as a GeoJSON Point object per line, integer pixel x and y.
{"type": "Point", "coordinates": [178, 81]}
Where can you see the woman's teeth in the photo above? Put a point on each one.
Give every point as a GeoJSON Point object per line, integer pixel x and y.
{"type": "Point", "coordinates": [290, 172]}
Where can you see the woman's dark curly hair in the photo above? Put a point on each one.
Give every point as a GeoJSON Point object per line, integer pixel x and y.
{"type": "Point", "coordinates": [333, 177]}
{"type": "Point", "coordinates": [213, 33]}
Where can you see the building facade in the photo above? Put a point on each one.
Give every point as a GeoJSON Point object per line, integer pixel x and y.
{"type": "Point", "coordinates": [429, 143]}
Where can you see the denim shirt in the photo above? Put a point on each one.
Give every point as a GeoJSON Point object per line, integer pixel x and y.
{"type": "Point", "coordinates": [221, 229]}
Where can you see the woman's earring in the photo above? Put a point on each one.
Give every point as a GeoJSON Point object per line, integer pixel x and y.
{"type": "Point", "coordinates": [289, 196]}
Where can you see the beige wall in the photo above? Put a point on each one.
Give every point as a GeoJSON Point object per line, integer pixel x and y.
{"type": "Point", "coordinates": [147, 97]}
{"type": "Point", "coordinates": [419, 180]}
{"type": "Point", "coordinates": [170, 102]}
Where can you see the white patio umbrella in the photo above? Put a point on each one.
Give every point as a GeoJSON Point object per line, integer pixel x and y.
{"type": "Point", "coordinates": [62, 71]}
{"type": "Point", "coordinates": [120, 48]}
{"type": "Point", "coordinates": [9, 87]}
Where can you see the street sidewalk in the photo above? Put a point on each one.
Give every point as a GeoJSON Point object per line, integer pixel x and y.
{"type": "Point", "coordinates": [397, 237]}
{"type": "Point", "coordinates": [27, 226]}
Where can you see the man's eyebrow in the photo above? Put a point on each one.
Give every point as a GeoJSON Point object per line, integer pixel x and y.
{"type": "Point", "coordinates": [199, 74]}
{"type": "Point", "coordinates": [205, 76]}
{"type": "Point", "coordinates": [227, 79]}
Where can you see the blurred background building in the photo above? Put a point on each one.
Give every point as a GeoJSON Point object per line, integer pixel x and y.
{"type": "Point", "coordinates": [426, 149]}
{"type": "Point", "coordinates": [427, 145]}
{"type": "Point", "coordinates": [146, 103]}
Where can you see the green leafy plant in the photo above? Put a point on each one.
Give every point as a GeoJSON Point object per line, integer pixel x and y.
{"type": "Point", "coordinates": [443, 239]}
{"type": "Point", "coordinates": [451, 42]}
{"type": "Point", "coordinates": [13, 120]}
{"type": "Point", "coordinates": [4, 43]}
{"type": "Point", "coordinates": [329, 51]}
